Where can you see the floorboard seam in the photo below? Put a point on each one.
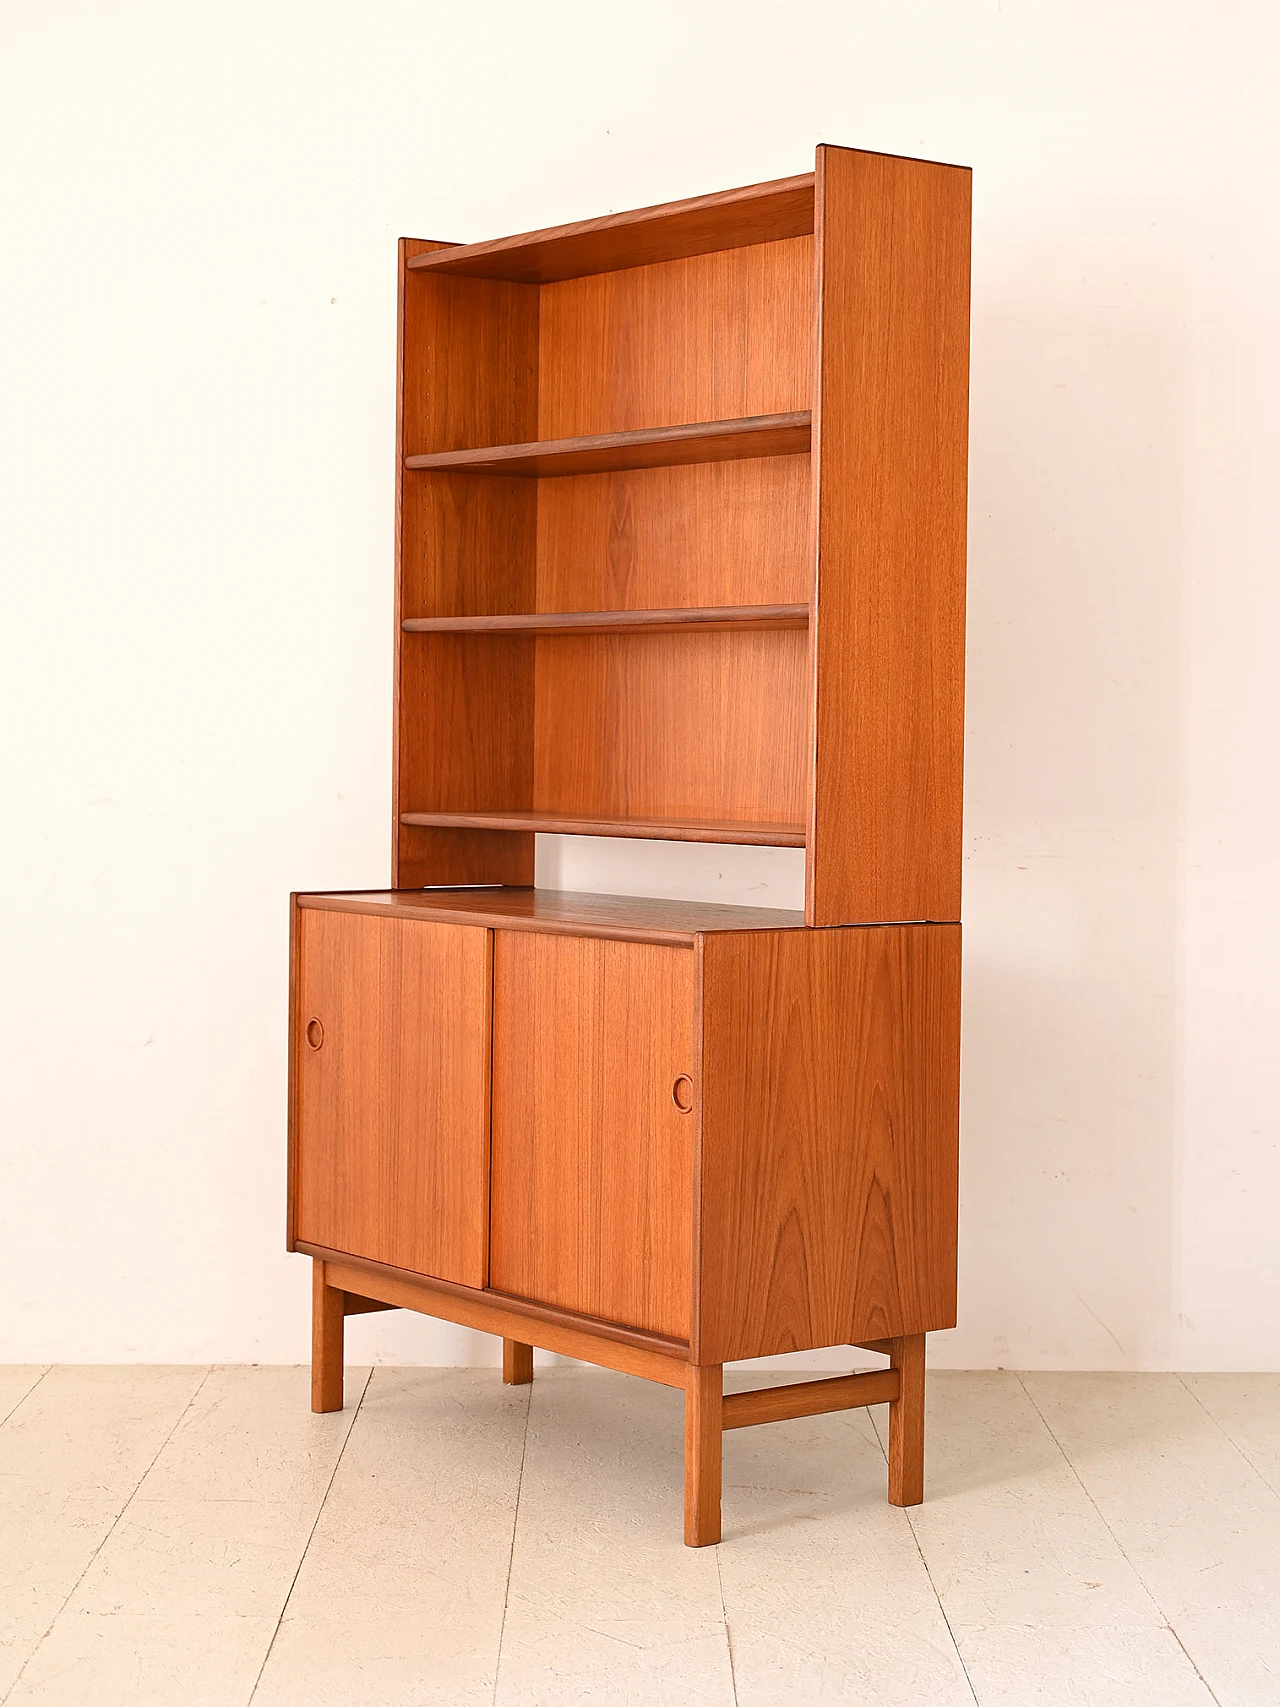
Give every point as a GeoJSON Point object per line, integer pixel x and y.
{"type": "Point", "coordinates": [872, 1413]}
{"type": "Point", "coordinates": [355, 1412]}
{"type": "Point", "coordinates": [1228, 1437]}
{"type": "Point", "coordinates": [515, 1520]}
{"type": "Point", "coordinates": [111, 1530]}
{"type": "Point", "coordinates": [1195, 1668]}
{"type": "Point", "coordinates": [728, 1637]}
{"type": "Point", "coordinates": [1102, 1518]}
{"type": "Point", "coordinates": [18, 1404]}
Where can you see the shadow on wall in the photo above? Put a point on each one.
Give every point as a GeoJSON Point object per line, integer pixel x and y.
{"type": "Point", "coordinates": [1071, 1108]}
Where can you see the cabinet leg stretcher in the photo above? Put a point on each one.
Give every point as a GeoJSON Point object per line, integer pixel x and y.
{"type": "Point", "coordinates": [342, 1289]}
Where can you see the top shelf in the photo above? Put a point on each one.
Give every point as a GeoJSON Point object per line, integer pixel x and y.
{"type": "Point", "coordinates": [650, 447]}
{"type": "Point", "coordinates": [758, 213]}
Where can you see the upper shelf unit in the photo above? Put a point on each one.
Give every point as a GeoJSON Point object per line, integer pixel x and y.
{"type": "Point", "coordinates": [650, 447]}
{"type": "Point", "coordinates": [732, 219]}
{"type": "Point", "coordinates": [740, 417]}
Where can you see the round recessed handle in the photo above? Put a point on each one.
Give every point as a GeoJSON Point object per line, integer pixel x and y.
{"type": "Point", "coordinates": [682, 1093]}
{"type": "Point", "coordinates": [315, 1033]}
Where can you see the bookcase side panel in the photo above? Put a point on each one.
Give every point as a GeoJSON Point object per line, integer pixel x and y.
{"type": "Point", "coordinates": [890, 447]}
{"type": "Point", "coordinates": [827, 1167]}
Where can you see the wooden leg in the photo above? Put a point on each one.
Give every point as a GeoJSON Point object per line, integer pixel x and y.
{"type": "Point", "coordinates": [906, 1422]}
{"type": "Point", "coordinates": [327, 1309]}
{"type": "Point", "coordinates": [703, 1441]}
{"type": "Point", "coordinates": [517, 1363]}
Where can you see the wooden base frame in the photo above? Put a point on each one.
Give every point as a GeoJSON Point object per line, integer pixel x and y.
{"type": "Point", "coordinates": [343, 1287]}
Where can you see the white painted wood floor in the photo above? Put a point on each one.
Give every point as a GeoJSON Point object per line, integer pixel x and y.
{"type": "Point", "coordinates": [196, 1538]}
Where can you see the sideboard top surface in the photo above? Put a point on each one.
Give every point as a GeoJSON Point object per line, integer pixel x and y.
{"type": "Point", "coordinates": [630, 917]}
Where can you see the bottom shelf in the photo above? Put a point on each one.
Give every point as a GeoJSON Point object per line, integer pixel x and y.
{"type": "Point", "coordinates": [654, 829]}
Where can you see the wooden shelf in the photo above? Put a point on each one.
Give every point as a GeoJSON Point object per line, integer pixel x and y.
{"type": "Point", "coordinates": [654, 829]}
{"type": "Point", "coordinates": [707, 619]}
{"type": "Point", "coordinates": [731, 219]}
{"type": "Point", "coordinates": [562, 912]}
{"type": "Point", "coordinates": [649, 447]}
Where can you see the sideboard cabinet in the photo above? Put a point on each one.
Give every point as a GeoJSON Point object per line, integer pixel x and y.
{"type": "Point", "coordinates": [680, 554]}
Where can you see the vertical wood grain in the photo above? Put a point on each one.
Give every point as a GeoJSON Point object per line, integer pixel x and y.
{"type": "Point", "coordinates": [672, 725]}
{"type": "Point", "coordinates": [327, 1314]}
{"type": "Point", "coordinates": [711, 533]}
{"type": "Point", "coordinates": [517, 1363]}
{"type": "Point", "coordinates": [392, 1139]}
{"type": "Point", "coordinates": [591, 1157]}
{"type": "Point", "coordinates": [890, 479]}
{"type": "Point", "coordinates": [709, 337]}
{"type": "Point", "coordinates": [827, 1179]}
{"type": "Point", "coordinates": [906, 1422]}
{"type": "Point", "coordinates": [703, 1454]}
{"type": "Point", "coordinates": [467, 375]}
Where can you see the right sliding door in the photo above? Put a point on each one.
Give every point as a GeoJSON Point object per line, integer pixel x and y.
{"type": "Point", "coordinates": [593, 1121]}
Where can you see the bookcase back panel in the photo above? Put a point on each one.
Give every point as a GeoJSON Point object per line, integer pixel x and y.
{"type": "Point", "coordinates": [715, 533]}
{"type": "Point", "coordinates": [701, 726]}
{"type": "Point", "coordinates": [711, 337]}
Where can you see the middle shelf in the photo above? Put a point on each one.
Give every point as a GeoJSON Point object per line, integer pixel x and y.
{"type": "Point", "coordinates": [706, 618]}
{"type": "Point", "coordinates": [730, 830]}
{"type": "Point", "coordinates": [648, 447]}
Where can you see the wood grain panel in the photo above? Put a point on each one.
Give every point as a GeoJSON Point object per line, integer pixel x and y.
{"type": "Point", "coordinates": [650, 447]}
{"type": "Point", "coordinates": [736, 832]}
{"type": "Point", "coordinates": [810, 1398]}
{"type": "Point", "coordinates": [890, 461]}
{"type": "Point", "coordinates": [703, 1455]}
{"type": "Point", "coordinates": [467, 374]}
{"type": "Point", "coordinates": [828, 1154]}
{"type": "Point", "coordinates": [715, 337]}
{"type": "Point", "coordinates": [703, 618]}
{"type": "Point", "coordinates": [591, 1158]}
{"type": "Point", "coordinates": [672, 726]}
{"type": "Point", "coordinates": [757, 213]}
{"type": "Point", "coordinates": [719, 533]}
{"type": "Point", "coordinates": [468, 546]}
{"type": "Point", "coordinates": [392, 1106]}
{"type": "Point", "coordinates": [630, 918]}
{"type": "Point", "coordinates": [466, 722]}
{"type": "Point", "coordinates": [648, 1355]}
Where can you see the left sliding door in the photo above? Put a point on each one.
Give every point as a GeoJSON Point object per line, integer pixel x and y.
{"type": "Point", "coordinates": [390, 1039]}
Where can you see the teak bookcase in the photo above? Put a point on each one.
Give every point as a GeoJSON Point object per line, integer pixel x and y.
{"type": "Point", "coordinates": [680, 554]}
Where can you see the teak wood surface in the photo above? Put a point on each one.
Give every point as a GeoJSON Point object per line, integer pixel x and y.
{"type": "Point", "coordinates": [680, 527]}
{"type": "Point", "coordinates": [703, 618]}
{"type": "Point", "coordinates": [827, 1175]}
{"type": "Point", "coordinates": [716, 533]}
{"type": "Point", "coordinates": [889, 467]}
{"type": "Point", "coordinates": [592, 1159]}
{"type": "Point", "coordinates": [647, 828]}
{"type": "Point", "coordinates": [390, 1038]}
{"type": "Point", "coordinates": [728, 219]}
{"type": "Point", "coordinates": [467, 375]}
{"type": "Point", "coordinates": [650, 447]}
{"type": "Point", "coordinates": [810, 1398]}
{"type": "Point", "coordinates": [507, 731]}
{"type": "Point", "coordinates": [629, 918]}
{"type": "Point", "coordinates": [646, 1355]}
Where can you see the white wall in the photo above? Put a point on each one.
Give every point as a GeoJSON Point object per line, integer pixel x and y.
{"type": "Point", "coordinates": [197, 302]}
